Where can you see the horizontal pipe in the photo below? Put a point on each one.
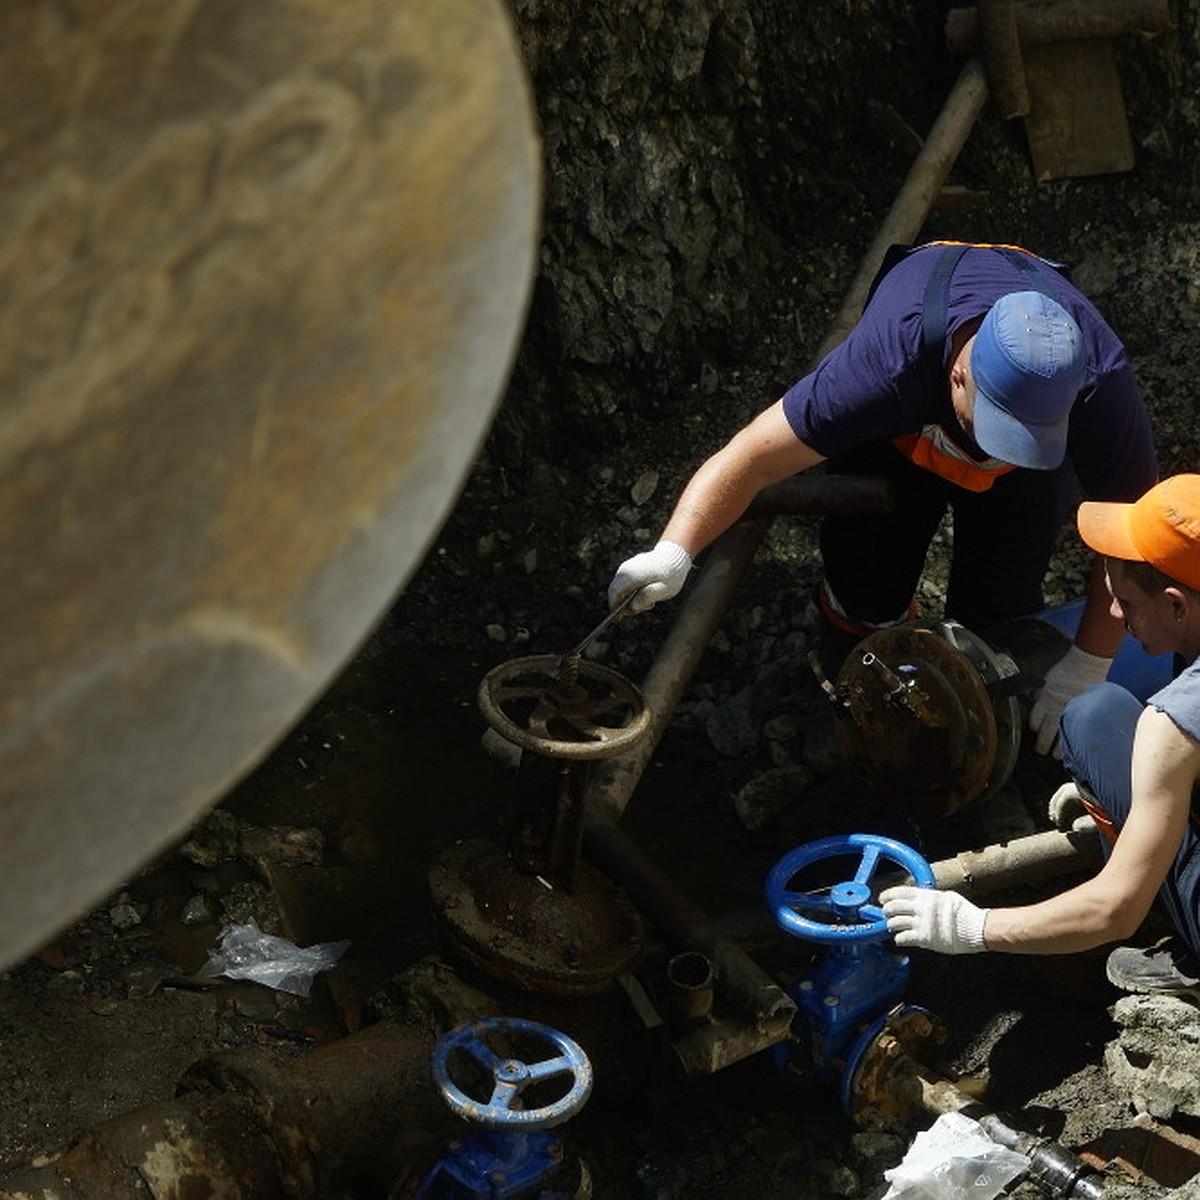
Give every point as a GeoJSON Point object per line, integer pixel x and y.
{"type": "Point", "coordinates": [352, 1116]}
{"type": "Point", "coordinates": [1030, 859]}
{"type": "Point", "coordinates": [719, 1044]}
{"type": "Point", "coordinates": [1054, 1167]}
{"type": "Point", "coordinates": [818, 494]}
{"type": "Point", "coordinates": [1063, 21]}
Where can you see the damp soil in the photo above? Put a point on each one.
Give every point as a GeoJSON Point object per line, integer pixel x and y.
{"type": "Point", "coordinates": [331, 837]}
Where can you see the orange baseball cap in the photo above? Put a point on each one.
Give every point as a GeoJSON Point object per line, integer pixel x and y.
{"type": "Point", "coordinates": [1162, 528]}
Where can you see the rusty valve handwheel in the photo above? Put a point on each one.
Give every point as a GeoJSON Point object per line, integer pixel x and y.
{"type": "Point", "coordinates": [583, 712]}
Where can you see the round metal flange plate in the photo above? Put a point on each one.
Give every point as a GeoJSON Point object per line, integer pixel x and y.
{"type": "Point", "coordinates": [521, 929]}
{"type": "Point", "coordinates": [881, 1091]}
{"type": "Point", "coordinates": [263, 268]}
{"type": "Point", "coordinates": [918, 728]}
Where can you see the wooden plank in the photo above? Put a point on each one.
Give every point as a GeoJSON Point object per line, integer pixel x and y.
{"type": "Point", "coordinates": [1077, 124]}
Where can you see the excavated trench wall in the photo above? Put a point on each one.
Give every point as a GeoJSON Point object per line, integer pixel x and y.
{"type": "Point", "coordinates": [707, 161]}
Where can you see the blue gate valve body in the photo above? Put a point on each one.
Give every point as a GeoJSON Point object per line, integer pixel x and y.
{"type": "Point", "coordinates": [495, 1166]}
{"type": "Point", "coordinates": [861, 976]}
{"type": "Point", "coordinates": [511, 1156]}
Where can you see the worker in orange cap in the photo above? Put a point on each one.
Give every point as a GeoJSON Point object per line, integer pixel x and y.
{"type": "Point", "coordinates": [1136, 770]}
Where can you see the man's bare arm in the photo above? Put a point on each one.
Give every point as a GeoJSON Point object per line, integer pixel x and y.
{"type": "Point", "coordinates": [762, 453]}
{"type": "Point", "coordinates": [1110, 906]}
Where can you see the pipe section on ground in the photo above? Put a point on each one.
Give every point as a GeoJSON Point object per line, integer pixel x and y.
{"type": "Point", "coordinates": [1051, 1165]}
{"type": "Point", "coordinates": [346, 1120]}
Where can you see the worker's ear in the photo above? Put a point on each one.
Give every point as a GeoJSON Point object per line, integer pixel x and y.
{"type": "Point", "coordinates": [1181, 602]}
{"type": "Point", "coordinates": [960, 364]}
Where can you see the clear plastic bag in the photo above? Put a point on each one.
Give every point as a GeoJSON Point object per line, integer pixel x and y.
{"type": "Point", "coordinates": [245, 952]}
{"type": "Point", "coordinates": [953, 1158]}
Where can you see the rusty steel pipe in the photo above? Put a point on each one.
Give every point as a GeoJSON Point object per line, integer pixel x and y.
{"type": "Point", "coordinates": [740, 980]}
{"type": "Point", "coordinates": [347, 1119]}
{"type": "Point", "coordinates": [712, 1047]}
{"type": "Point", "coordinates": [1029, 859]}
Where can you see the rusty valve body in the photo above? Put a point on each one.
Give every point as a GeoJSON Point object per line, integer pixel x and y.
{"type": "Point", "coordinates": [527, 909]}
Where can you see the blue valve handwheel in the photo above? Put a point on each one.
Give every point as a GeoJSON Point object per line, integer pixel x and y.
{"type": "Point", "coordinates": [844, 913]}
{"type": "Point", "coordinates": [510, 1077]}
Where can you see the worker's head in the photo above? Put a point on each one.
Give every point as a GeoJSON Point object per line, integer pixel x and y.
{"type": "Point", "coordinates": [1153, 552]}
{"type": "Point", "coordinates": [1027, 366]}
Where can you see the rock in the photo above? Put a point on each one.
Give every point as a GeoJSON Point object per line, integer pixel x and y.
{"type": "Point", "coordinates": [762, 799]}
{"type": "Point", "coordinates": [1153, 1060]}
{"type": "Point", "coordinates": [124, 915]}
{"type": "Point", "coordinates": [644, 487]}
{"type": "Point", "coordinates": [196, 910]}
{"type": "Point", "coordinates": [732, 728]}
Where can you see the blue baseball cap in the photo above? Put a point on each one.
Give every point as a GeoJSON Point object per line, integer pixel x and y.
{"type": "Point", "coordinates": [1028, 365]}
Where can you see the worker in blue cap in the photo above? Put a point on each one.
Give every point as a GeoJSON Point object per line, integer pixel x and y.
{"type": "Point", "coordinates": [978, 380]}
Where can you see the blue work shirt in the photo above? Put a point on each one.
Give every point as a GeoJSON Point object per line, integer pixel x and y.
{"type": "Point", "coordinates": [882, 381]}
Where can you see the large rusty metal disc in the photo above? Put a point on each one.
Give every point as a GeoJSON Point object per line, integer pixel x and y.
{"type": "Point", "coordinates": [263, 267]}
{"type": "Point", "coordinates": [920, 728]}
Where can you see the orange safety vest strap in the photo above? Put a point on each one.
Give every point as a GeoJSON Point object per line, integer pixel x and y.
{"type": "Point", "coordinates": [933, 451]}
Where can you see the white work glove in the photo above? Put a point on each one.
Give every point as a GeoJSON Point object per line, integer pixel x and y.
{"type": "Point", "coordinates": [1072, 674]}
{"type": "Point", "coordinates": [660, 573]}
{"type": "Point", "coordinates": [933, 920]}
{"type": "Point", "coordinates": [1065, 806]}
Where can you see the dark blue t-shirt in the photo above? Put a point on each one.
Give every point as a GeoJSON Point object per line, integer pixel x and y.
{"type": "Point", "coordinates": [883, 381]}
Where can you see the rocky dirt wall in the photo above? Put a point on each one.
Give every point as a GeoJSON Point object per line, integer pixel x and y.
{"type": "Point", "coordinates": [707, 162]}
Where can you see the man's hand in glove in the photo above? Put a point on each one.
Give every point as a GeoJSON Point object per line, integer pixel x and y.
{"type": "Point", "coordinates": [933, 920]}
{"type": "Point", "coordinates": [1065, 806]}
{"type": "Point", "coordinates": [1072, 674]}
{"type": "Point", "coordinates": [659, 573]}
